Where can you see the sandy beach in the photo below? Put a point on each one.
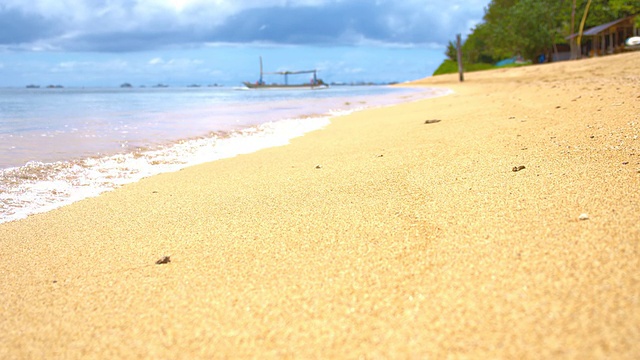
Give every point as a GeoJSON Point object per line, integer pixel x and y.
{"type": "Point", "coordinates": [508, 229]}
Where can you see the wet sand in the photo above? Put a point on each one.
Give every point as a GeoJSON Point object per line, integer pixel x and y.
{"type": "Point", "coordinates": [381, 236]}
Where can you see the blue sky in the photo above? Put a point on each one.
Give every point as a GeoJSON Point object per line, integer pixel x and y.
{"type": "Point", "coordinates": [182, 42]}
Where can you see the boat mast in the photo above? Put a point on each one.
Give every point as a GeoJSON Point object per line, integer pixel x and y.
{"type": "Point", "coordinates": [261, 82]}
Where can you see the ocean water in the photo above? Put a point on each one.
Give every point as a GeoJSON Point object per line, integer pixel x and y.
{"type": "Point", "coordinates": [58, 146]}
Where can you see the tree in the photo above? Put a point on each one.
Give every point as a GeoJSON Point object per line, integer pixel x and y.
{"type": "Point", "coordinates": [452, 51]}
{"type": "Point", "coordinates": [533, 27]}
{"type": "Point", "coordinates": [528, 28]}
{"type": "Point", "coordinates": [584, 17]}
{"type": "Point", "coordinates": [603, 11]}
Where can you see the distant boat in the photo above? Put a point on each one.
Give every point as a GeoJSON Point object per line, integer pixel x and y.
{"type": "Point", "coordinates": [313, 84]}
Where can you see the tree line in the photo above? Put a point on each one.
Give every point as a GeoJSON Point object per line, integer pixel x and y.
{"type": "Point", "coordinates": [529, 28]}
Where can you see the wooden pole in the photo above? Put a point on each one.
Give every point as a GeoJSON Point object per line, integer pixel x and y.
{"type": "Point", "coordinates": [459, 45]}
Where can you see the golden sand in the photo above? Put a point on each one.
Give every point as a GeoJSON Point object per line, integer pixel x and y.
{"type": "Point", "coordinates": [411, 240]}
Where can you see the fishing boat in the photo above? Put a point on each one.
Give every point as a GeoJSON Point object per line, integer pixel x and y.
{"type": "Point", "coordinates": [313, 84]}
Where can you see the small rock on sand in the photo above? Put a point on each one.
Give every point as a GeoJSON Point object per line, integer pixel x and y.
{"type": "Point", "coordinates": [432, 121]}
{"type": "Point", "coordinates": [583, 216]}
{"type": "Point", "coordinates": [163, 260]}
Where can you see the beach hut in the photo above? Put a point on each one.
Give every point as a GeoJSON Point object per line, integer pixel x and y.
{"type": "Point", "coordinates": [608, 38]}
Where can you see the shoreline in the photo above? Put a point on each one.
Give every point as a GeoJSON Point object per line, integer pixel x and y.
{"type": "Point", "coordinates": [211, 111]}
{"type": "Point", "coordinates": [379, 236]}
{"type": "Point", "coordinates": [40, 186]}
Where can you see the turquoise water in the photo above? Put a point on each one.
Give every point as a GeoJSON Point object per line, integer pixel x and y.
{"type": "Point", "coordinates": [58, 146]}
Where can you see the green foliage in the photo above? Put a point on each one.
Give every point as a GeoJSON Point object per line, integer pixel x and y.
{"type": "Point", "coordinates": [478, 67]}
{"type": "Point", "coordinates": [533, 27]}
{"type": "Point", "coordinates": [477, 48]}
{"type": "Point", "coordinates": [452, 51]}
{"type": "Point", "coordinates": [451, 67]}
{"type": "Point", "coordinates": [527, 27]}
{"type": "Point", "coordinates": [603, 11]}
{"type": "Point", "coordinates": [447, 67]}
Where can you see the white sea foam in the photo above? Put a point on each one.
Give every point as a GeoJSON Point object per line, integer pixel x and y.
{"type": "Point", "coordinates": [43, 186]}
{"type": "Point", "coordinates": [40, 187]}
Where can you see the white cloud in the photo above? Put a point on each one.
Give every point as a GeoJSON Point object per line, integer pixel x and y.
{"type": "Point", "coordinates": [68, 65]}
{"type": "Point", "coordinates": [175, 63]}
{"type": "Point", "coordinates": [90, 66]}
{"type": "Point", "coordinates": [133, 25]}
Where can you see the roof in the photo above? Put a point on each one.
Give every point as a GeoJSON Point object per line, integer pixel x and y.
{"type": "Point", "coordinates": [600, 28]}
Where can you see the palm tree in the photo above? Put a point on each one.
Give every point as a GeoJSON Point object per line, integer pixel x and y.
{"type": "Point", "coordinates": [584, 18]}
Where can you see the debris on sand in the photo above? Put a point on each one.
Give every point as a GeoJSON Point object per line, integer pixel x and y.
{"type": "Point", "coordinates": [518, 168]}
{"type": "Point", "coordinates": [163, 260]}
{"type": "Point", "coordinates": [433, 121]}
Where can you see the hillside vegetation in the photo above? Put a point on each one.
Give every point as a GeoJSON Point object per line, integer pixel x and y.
{"type": "Point", "coordinates": [530, 28]}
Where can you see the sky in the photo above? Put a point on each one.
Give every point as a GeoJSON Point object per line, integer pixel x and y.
{"type": "Point", "coordinates": [184, 42]}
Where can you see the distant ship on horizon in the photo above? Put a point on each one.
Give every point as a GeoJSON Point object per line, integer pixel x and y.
{"type": "Point", "coordinates": [313, 84]}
